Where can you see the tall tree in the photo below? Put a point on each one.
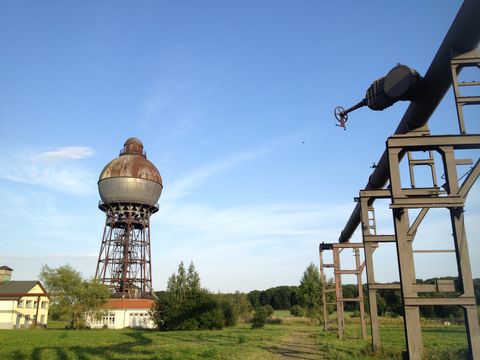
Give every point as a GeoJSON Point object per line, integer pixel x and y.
{"type": "Point", "coordinates": [310, 292]}
{"type": "Point", "coordinates": [193, 278]}
{"type": "Point", "coordinates": [73, 298]}
{"type": "Point", "coordinates": [186, 306]}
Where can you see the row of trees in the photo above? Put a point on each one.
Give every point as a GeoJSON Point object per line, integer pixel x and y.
{"type": "Point", "coordinates": [185, 305]}
{"type": "Point", "coordinates": [279, 298]}
{"type": "Point", "coordinates": [306, 296]}
{"type": "Point", "coordinates": [389, 302]}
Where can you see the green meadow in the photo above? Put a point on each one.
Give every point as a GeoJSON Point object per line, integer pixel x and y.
{"type": "Point", "coordinates": [292, 338]}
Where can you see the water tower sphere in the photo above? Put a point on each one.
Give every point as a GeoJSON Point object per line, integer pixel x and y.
{"type": "Point", "coordinates": [130, 178]}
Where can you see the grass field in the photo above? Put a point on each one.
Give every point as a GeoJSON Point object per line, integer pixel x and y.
{"type": "Point", "coordinates": [291, 339]}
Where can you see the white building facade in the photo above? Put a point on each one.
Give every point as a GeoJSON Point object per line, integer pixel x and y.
{"type": "Point", "coordinates": [122, 313]}
{"type": "Point", "coordinates": [23, 304]}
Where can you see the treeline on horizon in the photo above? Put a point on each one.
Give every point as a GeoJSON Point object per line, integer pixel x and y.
{"type": "Point", "coordinates": [389, 302]}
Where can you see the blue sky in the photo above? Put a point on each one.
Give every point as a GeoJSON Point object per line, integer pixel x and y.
{"type": "Point", "coordinates": [233, 101]}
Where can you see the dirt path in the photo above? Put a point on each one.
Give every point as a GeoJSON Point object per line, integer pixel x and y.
{"type": "Point", "coordinates": [298, 345]}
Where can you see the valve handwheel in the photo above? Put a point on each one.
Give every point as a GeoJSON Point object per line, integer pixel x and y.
{"type": "Point", "coordinates": [341, 116]}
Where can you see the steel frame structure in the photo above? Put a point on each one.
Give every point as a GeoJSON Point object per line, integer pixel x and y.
{"type": "Point", "coordinates": [462, 37]}
{"type": "Point", "coordinates": [452, 196]}
{"type": "Point", "coordinates": [371, 241]}
{"type": "Point", "coordinates": [124, 260]}
{"type": "Point", "coordinates": [453, 199]}
{"type": "Point", "coordinates": [340, 300]}
{"type": "Point", "coordinates": [457, 51]}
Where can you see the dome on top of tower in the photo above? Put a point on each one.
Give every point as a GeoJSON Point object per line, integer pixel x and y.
{"type": "Point", "coordinates": [133, 145]}
{"type": "Point", "coordinates": [130, 177]}
{"type": "Point", "coordinates": [133, 140]}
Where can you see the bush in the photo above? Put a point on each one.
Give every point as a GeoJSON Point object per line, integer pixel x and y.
{"type": "Point", "coordinates": [241, 305]}
{"type": "Point", "coordinates": [297, 311]}
{"type": "Point", "coordinates": [198, 311]}
{"type": "Point", "coordinates": [269, 310]}
{"type": "Point", "coordinates": [241, 339]}
{"type": "Point", "coordinates": [186, 306]}
{"type": "Point", "coordinates": [259, 318]}
{"type": "Point", "coordinates": [230, 315]}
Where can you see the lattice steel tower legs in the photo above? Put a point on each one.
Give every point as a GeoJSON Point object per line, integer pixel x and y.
{"type": "Point", "coordinates": [124, 261]}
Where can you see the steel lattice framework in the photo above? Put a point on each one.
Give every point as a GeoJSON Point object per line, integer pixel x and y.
{"type": "Point", "coordinates": [124, 261]}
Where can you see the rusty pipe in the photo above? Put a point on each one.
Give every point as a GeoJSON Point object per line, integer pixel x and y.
{"type": "Point", "coordinates": [462, 37]}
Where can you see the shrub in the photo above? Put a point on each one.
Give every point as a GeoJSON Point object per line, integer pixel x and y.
{"type": "Point", "coordinates": [297, 311]}
{"type": "Point", "coordinates": [241, 339]}
{"type": "Point", "coordinates": [198, 311]}
{"type": "Point", "coordinates": [230, 315]}
{"type": "Point", "coordinates": [269, 310]}
{"type": "Point", "coordinates": [259, 318]}
{"type": "Point", "coordinates": [186, 306]}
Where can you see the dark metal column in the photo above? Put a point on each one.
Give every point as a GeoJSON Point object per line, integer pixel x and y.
{"type": "Point", "coordinates": [371, 241]}
{"type": "Point", "coordinates": [453, 198]}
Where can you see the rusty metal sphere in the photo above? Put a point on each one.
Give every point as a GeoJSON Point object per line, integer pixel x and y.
{"type": "Point", "coordinates": [130, 178]}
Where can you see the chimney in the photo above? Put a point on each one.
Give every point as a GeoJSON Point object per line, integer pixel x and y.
{"type": "Point", "coordinates": [5, 274]}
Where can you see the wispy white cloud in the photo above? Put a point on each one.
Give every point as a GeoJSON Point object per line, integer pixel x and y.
{"type": "Point", "coordinates": [39, 222]}
{"type": "Point", "coordinates": [28, 267]}
{"type": "Point", "coordinates": [186, 184]}
{"type": "Point", "coordinates": [162, 108]}
{"type": "Point", "coordinates": [64, 153]}
{"type": "Point", "coordinates": [248, 222]}
{"type": "Point", "coordinates": [260, 246]}
{"type": "Point", "coordinates": [57, 170]}
{"type": "Point", "coordinates": [254, 244]}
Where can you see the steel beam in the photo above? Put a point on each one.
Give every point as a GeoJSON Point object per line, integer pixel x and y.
{"type": "Point", "coordinates": [462, 37]}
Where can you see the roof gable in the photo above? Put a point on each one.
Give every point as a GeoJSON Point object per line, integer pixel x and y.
{"type": "Point", "coordinates": [19, 287]}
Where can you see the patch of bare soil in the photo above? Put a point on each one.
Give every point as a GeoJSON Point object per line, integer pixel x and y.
{"type": "Point", "coordinates": [298, 345]}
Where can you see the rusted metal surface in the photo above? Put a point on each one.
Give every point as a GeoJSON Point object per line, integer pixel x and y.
{"type": "Point", "coordinates": [129, 186]}
{"type": "Point", "coordinates": [130, 177]}
{"type": "Point", "coordinates": [462, 37]}
{"type": "Point", "coordinates": [131, 163]}
{"type": "Point", "coordinates": [124, 261]}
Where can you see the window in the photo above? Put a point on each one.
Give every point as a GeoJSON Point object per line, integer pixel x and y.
{"type": "Point", "coordinates": [20, 303]}
{"type": "Point", "coordinates": [42, 319]}
{"type": "Point", "coordinates": [28, 304]}
{"type": "Point", "coordinates": [43, 304]}
{"type": "Point", "coordinates": [35, 303]}
{"type": "Point", "coordinates": [107, 320]}
{"type": "Point", "coordinates": [138, 319]}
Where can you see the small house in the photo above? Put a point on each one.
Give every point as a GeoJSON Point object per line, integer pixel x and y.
{"type": "Point", "coordinates": [121, 313]}
{"type": "Point", "coordinates": [22, 303]}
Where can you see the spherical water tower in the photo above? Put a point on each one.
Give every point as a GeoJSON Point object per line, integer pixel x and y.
{"type": "Point", "coordinates": [129, 187]}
